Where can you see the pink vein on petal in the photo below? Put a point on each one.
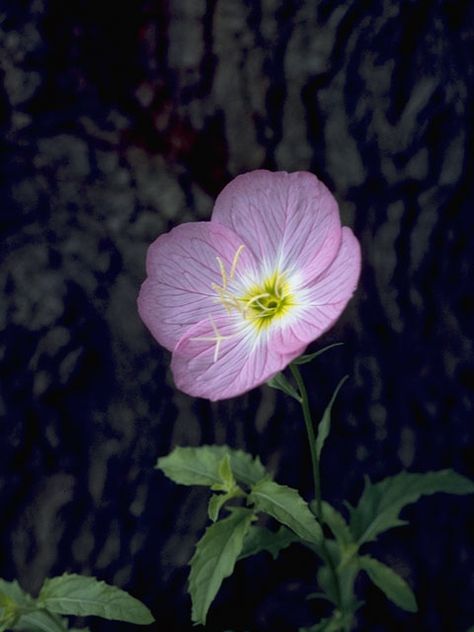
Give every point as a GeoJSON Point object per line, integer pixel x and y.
{"type": "Point", "coordinates": [287, 219]}
{"type": "Point", "coordinates": [241, 364]}
{"type": "Point", "coordinates": [182, 266]}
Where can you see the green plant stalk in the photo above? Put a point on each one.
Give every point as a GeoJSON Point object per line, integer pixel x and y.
{"type": "Point", "coordinates": [311, 438]}
{"type": "Point", "coordinates": [316, 475]}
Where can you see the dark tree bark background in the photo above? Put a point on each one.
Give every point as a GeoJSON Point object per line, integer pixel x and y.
{"type": "Point", "coordinates": [120, 120]}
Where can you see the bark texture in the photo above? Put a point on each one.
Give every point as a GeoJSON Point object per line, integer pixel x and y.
{"type": "Point", "coordinates": [122, 119]}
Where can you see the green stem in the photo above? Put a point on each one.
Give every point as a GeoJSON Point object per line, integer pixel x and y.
{"type": "Point", "coordinates": [311, 438]}
{"type": "Point", "coordinates": [316, 476]}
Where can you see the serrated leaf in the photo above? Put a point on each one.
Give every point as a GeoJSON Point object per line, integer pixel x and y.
{"type": "Point", "coordinates": [286, 505]}
{"type": "Point", "coordinates": [380, 504]}
{"type": "Point", "coordinates": [82, 596]}
{"type": "Point", "coordinates": [390, 583]}
{"type": "Point", "coordinates": [337, 524]}
{"type": "Point", "coordinates": [304, 359]}
{"type": "Point", "coordinates": [325, 423]}
{"type": "Point", "coordinates": [260, 539]}
{"type": "Point", "coordinates": [41, 621]}
{"type": "Point", "coordinates": [200, 466]}
{"type": "Point", "coordinates": [214, 560]}
{"type": "Point", "coordinates": [280, 383]}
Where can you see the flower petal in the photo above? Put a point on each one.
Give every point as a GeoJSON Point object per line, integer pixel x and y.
{"type": "Point", "coordinates": [288, 220]}
{"type": "Point", "coordinates": [182, 266]}
{"type": "Point", "coordinates": [322, 301]}
{"type": "Point", "coordinates": [242, 361]}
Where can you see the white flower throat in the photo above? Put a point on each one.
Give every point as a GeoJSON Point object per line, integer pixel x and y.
{"type": "Point", "coordinates": [260, 303]}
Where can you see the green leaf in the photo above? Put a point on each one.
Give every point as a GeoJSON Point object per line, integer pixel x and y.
{"type": "Point", "coordinates": [224, 470]}
{"type": "Point", "coordinates": [12, 600]}
{"type": "Point", "coordinates": [41, 621]}
{"type": "Point", "coordinates": [391, 584]}
{"type": "Point", "coordinates": [8, 616]}
{"type": "Point", "coordinates": [380, 504]}
{"type": "Point", "coordinates": [214, 559]}
{"type": "Point", "coordinates": [338, 525]}
{"type": "Point", "coordinates": [200, 466]}
{"type": "Point", "coordinates": [228, 486]}
{"type": "Point", "coordinates": [280, 383]}
{"type": "Point", "coordinates": [260, 539]}
{"type": "Point", "coordinates": [304, 359]}
{"type": "Point", "coordinates": [325, 423]}
{"type": "Point", "coordinates": [83, 596]}
{"type": "Point", "coordinates": [6, 620]}
{"type": "Point", "coordinates": [286, 505]}
{"type": "Point", "coordinates": [325, 580]}
{"type": "Point", "coordinates": [14, 591]}
{"type": "Point", "coordinates": [217, 501]}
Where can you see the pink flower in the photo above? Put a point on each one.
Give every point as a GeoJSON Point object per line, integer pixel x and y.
{"type": "Point", "coordinates": [238, 298]}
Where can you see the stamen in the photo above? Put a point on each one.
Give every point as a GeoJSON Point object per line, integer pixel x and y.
{"type": "Point", "coordinates": [220, 291]}
{"type": "Point", "coordinates": [226, 298]}
{"type": "Point", "coordinates": [217, 338]}
{"type": "Point", "coordinates": [235, 260]}
{"type": "Point", "coordinates": [214, 326]}
{"type": "Point", "coordinates": [257, 298]}
{"type": "Point", "coordinates": [271, 303]}
{"type": "Point", "coordinates": [223, 272]}
{"type": "Point", "coordinates": [265, 308]}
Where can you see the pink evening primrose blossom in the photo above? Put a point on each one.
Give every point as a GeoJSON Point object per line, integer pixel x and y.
{"type": "Point", "coordinates": [236, 299]}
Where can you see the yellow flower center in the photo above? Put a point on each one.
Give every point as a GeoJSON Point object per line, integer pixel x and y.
{"type": "Point", "coordinates": [268, 301]}
{"type": "Point", "coordinates": [262, 303]}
